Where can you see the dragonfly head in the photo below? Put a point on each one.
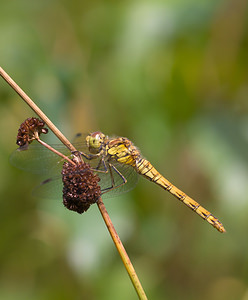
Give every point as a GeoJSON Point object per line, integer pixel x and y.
{"type": "Point", "coordinates": [95, 141]}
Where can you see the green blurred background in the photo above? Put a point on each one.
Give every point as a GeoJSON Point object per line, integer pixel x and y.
{"type": "Point", "coordinates": [173, 77]}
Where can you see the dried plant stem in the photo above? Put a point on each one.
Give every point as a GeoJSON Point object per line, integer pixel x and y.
{"type": "Point", "coordinates": [120, 248]}
{"type": "Point", "coordinates": [55, 151]}
{"type": "Point", "coordinates": [122, 252]}
{"type": "Point", "coordinates": [36, 109]}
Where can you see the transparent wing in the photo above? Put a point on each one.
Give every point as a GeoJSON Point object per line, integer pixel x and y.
{"type": "Point", "coordinates": [52, 188]}
{"type": "Point", "coordinates": [79, 140]}
{"type": "Point", "coordinates": [38, 159]}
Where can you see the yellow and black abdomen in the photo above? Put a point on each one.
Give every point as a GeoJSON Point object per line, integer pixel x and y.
{"type": "Point", "coordinates": [146, 169]}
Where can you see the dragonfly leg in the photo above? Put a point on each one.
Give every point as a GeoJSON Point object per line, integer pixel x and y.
{"type": "Point", "coordinates": [101, 162]}
{"type": "Point", "coordinates": [105, 168]}
{"type": "Point", "coordinates": [97, 169]}
{"type": "Point", "coordinates": [93, 156]}
{"type": "Point", "coordinates": [113, 186]}
{"type": "Point", "coordinates": [87, 156]}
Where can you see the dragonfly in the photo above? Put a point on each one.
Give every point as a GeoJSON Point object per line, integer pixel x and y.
{"type": "Point", "coordinates": [117, 162]}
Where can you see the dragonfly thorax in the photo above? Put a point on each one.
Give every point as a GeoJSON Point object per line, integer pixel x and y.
{"type": "Point", "coordinates": [95, 141]}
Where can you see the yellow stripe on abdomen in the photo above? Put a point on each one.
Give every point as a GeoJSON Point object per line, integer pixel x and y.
{"type": "Point", "coordinates": [146, 169]}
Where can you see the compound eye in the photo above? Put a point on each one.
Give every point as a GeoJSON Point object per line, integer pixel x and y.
{"type": "Point", "coordinates": [95, 141]}
{"type": "Point", "coordinates": [96, 134]}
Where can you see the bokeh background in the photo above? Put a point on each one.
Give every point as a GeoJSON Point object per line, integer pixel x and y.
{"type": "Point", "coordinates": [173, 77]}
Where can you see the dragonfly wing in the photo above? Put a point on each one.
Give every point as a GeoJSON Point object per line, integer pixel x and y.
{"type": "Point", "coordinates": [79, 142]}
{"type": "Point", "coordinates": [37, 159]}
{"type": "Point", "coordinates": [51, 188]}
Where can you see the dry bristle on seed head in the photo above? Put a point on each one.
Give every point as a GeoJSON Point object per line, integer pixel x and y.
{"type": "Point", "coordinates": [80, 186]}
{"type": "Point", "coordinates": [28, 131]}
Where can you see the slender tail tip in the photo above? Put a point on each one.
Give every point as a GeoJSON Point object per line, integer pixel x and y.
{"type": "Point", "coordinates": [221, 229]}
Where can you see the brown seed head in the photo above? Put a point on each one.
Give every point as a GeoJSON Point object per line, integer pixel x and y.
{"type": "Point", "coordinates": [29, 130]}
{"type": "Point", "coordinates": [80, 186]}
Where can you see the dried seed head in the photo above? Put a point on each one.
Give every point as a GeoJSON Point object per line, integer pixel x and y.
{"type": "Point", "coordinates": [29, 130]}
{"type": "Point", "coordinates": [80, 186]}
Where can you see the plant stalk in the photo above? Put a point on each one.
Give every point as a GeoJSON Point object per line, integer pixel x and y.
{"type": "Point", "coordinates": [118, 244]}
{"type": "Point", "coordinates": [122, 252]}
